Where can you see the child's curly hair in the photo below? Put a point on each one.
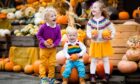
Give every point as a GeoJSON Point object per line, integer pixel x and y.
{"type": "Point", "coordinates": [47, 12]}
{"type": "Point", "coordinates": [103, 9]}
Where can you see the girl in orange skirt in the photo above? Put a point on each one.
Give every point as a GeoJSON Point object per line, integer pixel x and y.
{"type": "Point", "coordinates": [100, 30]}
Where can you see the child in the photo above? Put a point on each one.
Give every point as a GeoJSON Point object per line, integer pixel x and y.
{"type": "Point", "coordinates": [100, 30]}
{"type": "Point", "coordinates": [71, 48]}
{"type": "Point", "coordinates": [49, 37]}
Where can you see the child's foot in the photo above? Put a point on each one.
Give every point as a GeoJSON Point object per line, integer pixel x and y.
{"type": "Point", "coordinates": [53, 81]}
{"type": "Point", "coordinates": [93, 79]}
{"type": "Point", "coordinates": [44, 81]}
{"type": "Point", "coordinates": [106, 79]}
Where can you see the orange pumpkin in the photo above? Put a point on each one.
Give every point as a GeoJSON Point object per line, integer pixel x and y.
{"type": "Point", "coordinates": [36, 65]}
{"type": "Point", "coordinates": [94, 32]}
{"type": "Point", "coordinates": [63, 19]}
{"type": "Point", "coordinates": [74, 57]}
{"type": "Point", "coordinates": [136, 11]}
{"type": "Point", "coordinates": [73, 76]}
{"type": "Point", "coordinates": [31, 1]}
{"type": "Point", "coordinates": [28, 69]}
{"type": "Point", "coordinates": [9, 66]}
{"type": "Point", "coordinates": [127, 66]}
{"type": "Point", "coordinates": [81, 35]}
{"type": "Point", "coordinates": [3, 15]}
{"type": "Point", "coordinates": [106, 33]}
{"type": "Point", "coordinates": [100, 69]}
{"type": "Point", "coordinates": [47, 1]}
{"type": "Point", "coordinates": [123, 15]}
{"type": "Point", "coordinates": [17, 68]}
{"type": "Point", "coordinates": [2, 65]}
{"type": "Point", "coordinates": [49, 41]}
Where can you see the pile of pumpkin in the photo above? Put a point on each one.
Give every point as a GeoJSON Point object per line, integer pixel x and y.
{"type": "Point", "coordinates": [7, 65]}
{"type": "Point", "coordinates": [28, 30]}
{"type": "Point", "coordinates": [129, 61]}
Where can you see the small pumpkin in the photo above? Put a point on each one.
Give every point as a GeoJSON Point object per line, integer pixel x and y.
{"type": "Point", "coordinates": [49, 41]}
{"type": "Point", "coordinates": [123, 15]}
{"type": "Point", "coordinates": [9, 66]}
{"type": "Point", "coordinates": [28, 69]}
{"type": "Point", "coordinates": [106, 33]}
{"type": "Point", "coordinates": [74, 57]}
{"type": "Point", "coordinates": [81, 35]}
{"type": "Point", "coordinates": [127, 66]}
{"type": "Point", "coordinates": [17, 68]}
{"type": "Point", "coordinates": [94, 32]}
{"type": "Point", "coordinates": [60, 58]}
{"type": "Point", "coordinates": [3, 15]}
{"type": "Point", "coordinates": [86, 58]}
{"type": "Point", "coordinates": [136, 11]}
{"type": "Point", "coordinates": [36, 65]}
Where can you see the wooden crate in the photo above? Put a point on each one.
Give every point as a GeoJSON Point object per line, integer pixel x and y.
{"type": "Point", "coordinates": [24, 41]}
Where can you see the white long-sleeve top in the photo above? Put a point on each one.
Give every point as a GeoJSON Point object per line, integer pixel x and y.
{"type": "Point", "coordinates": [74, 45]}
{"type": "Point", "coordinates": [100, 24]}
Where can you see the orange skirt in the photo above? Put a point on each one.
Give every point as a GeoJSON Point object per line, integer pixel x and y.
{"type": "Point", "coordinates": [100, 49]}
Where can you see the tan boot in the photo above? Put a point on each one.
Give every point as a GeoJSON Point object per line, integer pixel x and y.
{"type": "Point", "coordinates": [82, 81]}
{"type": "Point", "coordinates": [65, 81]}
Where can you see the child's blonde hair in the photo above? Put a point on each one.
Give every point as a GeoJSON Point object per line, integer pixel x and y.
{"type": "Point", "coordinates": [47, 12]}
{"type": "Point", "coordinates": [102, 7]}
{"type": "Point", "coordinates": [70, 29]}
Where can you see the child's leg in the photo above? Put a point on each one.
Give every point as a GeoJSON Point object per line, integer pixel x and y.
{"type": "Point", "coordinates": [93, 65]}
{"type": "Point", "coordinates": [106, 67]}
{"type": "Point", "coordinates": [43, 60]}
{"type": "Point", "coordinates": [81, 71]}
{"type": "Point", "coordinates": [52, 62]}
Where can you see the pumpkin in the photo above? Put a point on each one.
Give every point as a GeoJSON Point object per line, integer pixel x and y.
{"type": "Point", "coordinates": [9, 66]}
{"type": "Point", "coordinates": [63, 31]}
{"type": "Point", "coordinates": [73, 3]}
{"type": "Point", "coordinates": [47, 1]}
{"type": "Point", "coordinates": [49, 41]}
{"type": "Point", "coordinates": [100, 69]}
{"type": "Point", "coordinates": [74, 57]}
{"type": "Point", "coordinates": [106, 33]}
{"type": "Point", "coordinates": [60, 58]}
{"type": "Point", "coordinates": [7, 60]}
{"type": "Point", "coordinates": [133, 54]}
{"type": "Point", "coordinates": [86, 58]}
{"type": "Point", "coordinates": [36, 65]}
{"type": "Point", "coordinates": [136, 11]}
{"type": "Point", "coordinates": [3, 15]}
{"type": "Point", "coordinates": [73, 76]}
{"type": "Point", "coordinates": [28, 69]}
{"type": "Point", "coordinates": [124, 57]}
{"type": "Point", "coordinates": [62, 19]}
{"type": "Point", "coordinates": [17, 68]}
{"type": "Point", "coordinates": [2, 65]}
{"type": "Point", "coordinates": [81, 35]}
{"type": "Point", "coordinates": [123, 15]}
{"type": "Point", "coordinates": [127, 66]}
{"type": "Point", "coordinates": [31, 1]}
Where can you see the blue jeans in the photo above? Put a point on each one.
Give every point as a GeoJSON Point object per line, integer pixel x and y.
{"type": "Point", "coordinates": [79, 65]}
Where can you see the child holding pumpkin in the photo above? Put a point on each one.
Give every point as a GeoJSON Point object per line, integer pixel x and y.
{"type": "Point", "coordinates": [73, 50]}
{"type": "Point", "coordinates": [100, 30]}
{"type": "Point", "coordinates": [49, 37]}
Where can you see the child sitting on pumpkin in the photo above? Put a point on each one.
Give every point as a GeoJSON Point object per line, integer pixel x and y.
{"type": "Point", "coordinates": [73, 50]}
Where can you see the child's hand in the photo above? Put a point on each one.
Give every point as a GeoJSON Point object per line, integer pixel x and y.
{"type": "Point", "coordinates": [74, 57]}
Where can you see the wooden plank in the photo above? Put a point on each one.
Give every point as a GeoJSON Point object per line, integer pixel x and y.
{"type": "Point", "coordinates": [119, 42]}
{"type": "Point", "coordinates": [126, 28]}
{"type": "Point", "coordinates": [116, 57]}
{"type": "Point", "coordinates": [118, 50]}
{"type": "Point", "coordinates": [124, 35]}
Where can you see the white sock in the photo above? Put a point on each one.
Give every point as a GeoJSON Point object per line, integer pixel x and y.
{"type": "Point", "coordinates": [93, 66]}
{"type": "Point", "coordinates": [106, 65]}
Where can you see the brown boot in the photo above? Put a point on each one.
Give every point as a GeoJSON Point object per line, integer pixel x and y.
{"type": "Point", "coordinates": [65, 81]}
{"type": "Point", "coordinates": [82, 81]}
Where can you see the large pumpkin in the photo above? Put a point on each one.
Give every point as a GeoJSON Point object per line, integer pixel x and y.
{"type": "Point", "coordinates": [123, 15]}
{"type": "Point", "coordinates": [127, 66]}
{"type": "Point", "coordinates": [60, 58]}
{"type": "Point", "coordinates": [28, 69]}
{"type": "Point", "coordinates": [133, 54]}
{"type": "Point", "coordinates": [63, 19]}
{"type": "Point", "coordinates": [17, 68]}
{"type": "Point", "coordinates": [136, 11]}
{"type": "Point", "coordinates": [100, 69]}
{"type": "Point", "coordinates": [73, 76]}
{"type": "Point", "coordinates": [9, 66]}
